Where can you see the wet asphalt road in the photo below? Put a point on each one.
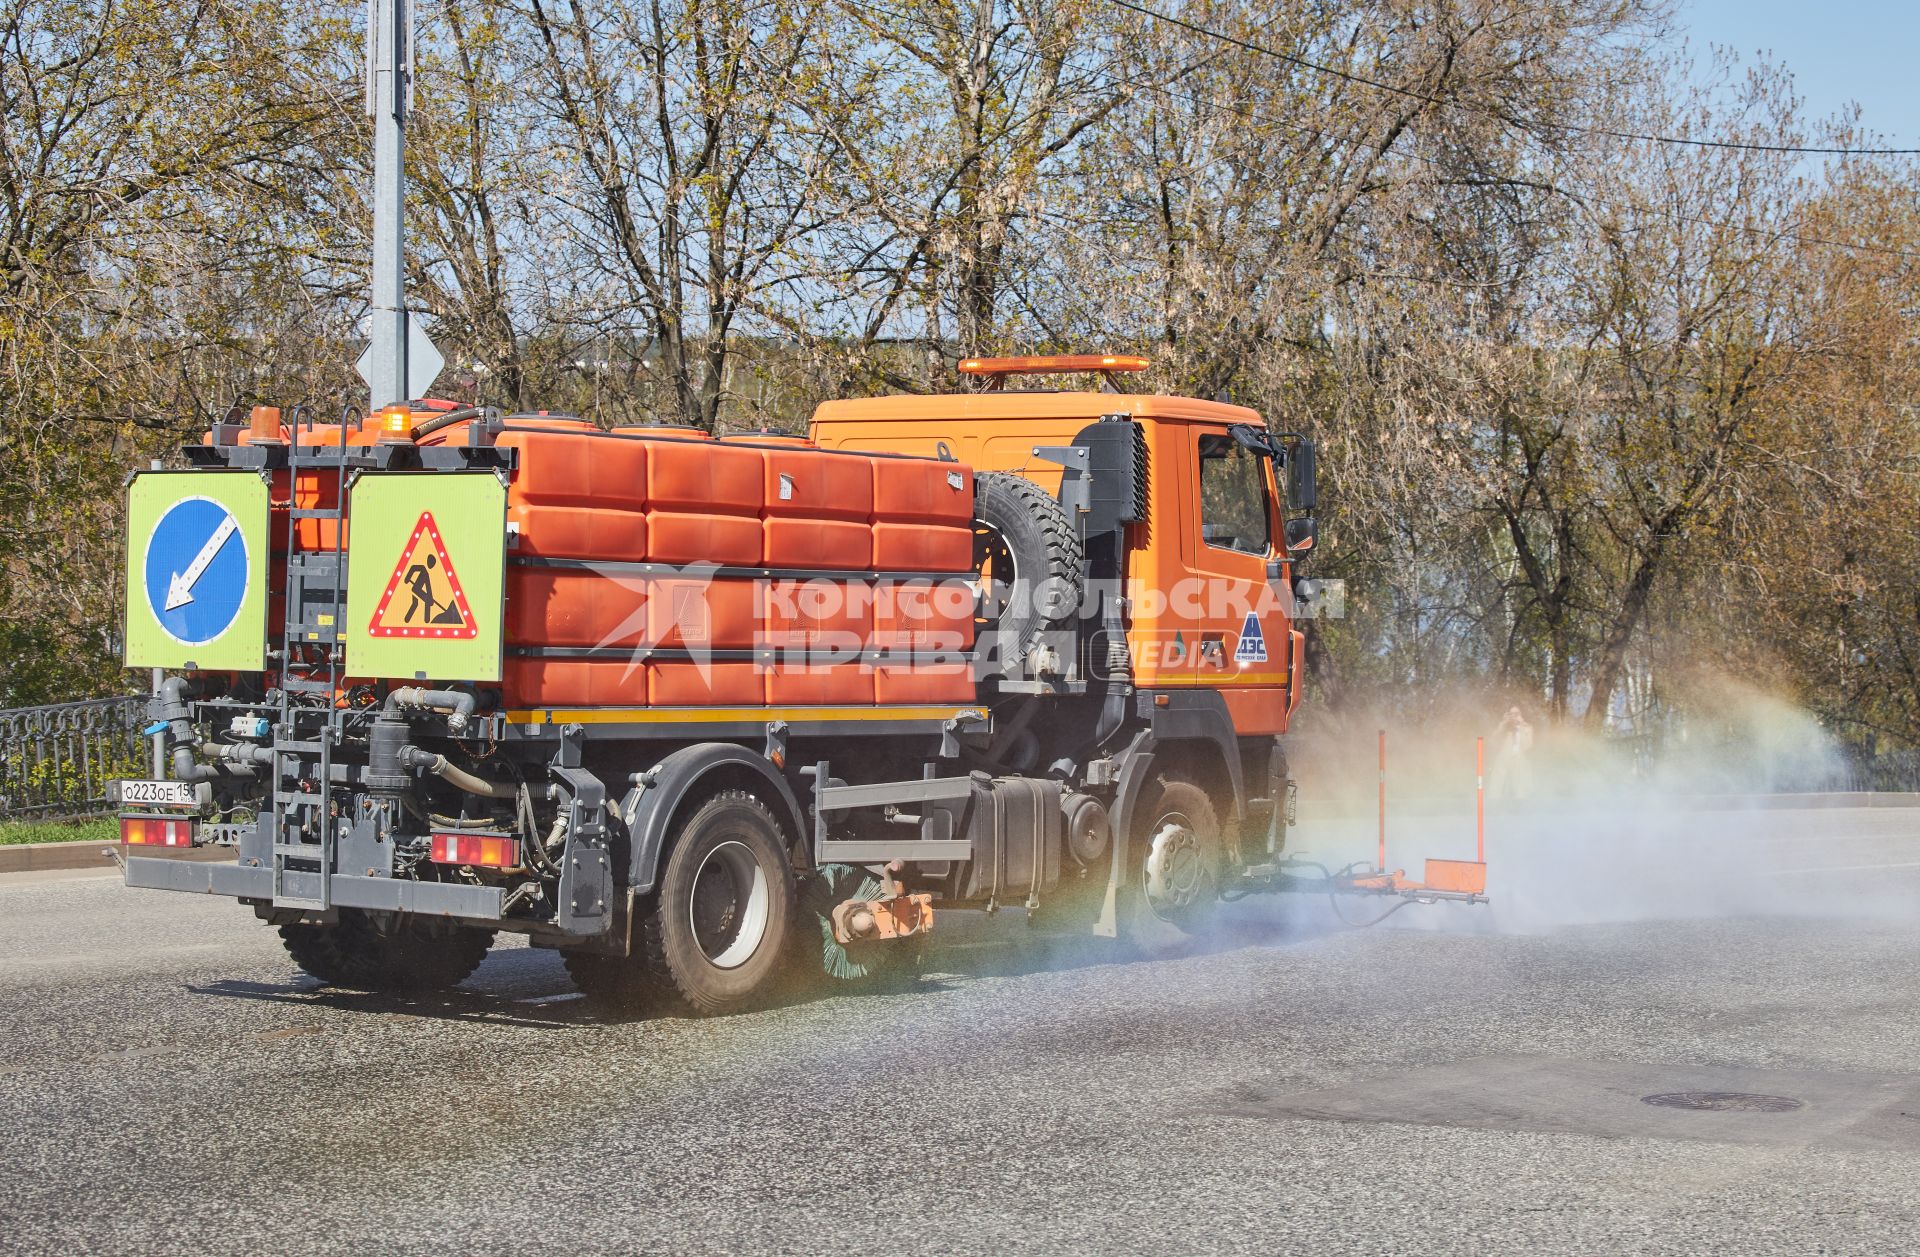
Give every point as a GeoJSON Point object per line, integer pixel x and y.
{"type": "Point", "coordinates": [1458, 1080]}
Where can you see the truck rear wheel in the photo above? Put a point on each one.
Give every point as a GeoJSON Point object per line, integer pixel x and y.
{"type": "Point", "coordinates": [411, 954]}
{"type": "Point", "coordinates": [714, 937]}
{"type": "Point", "coordinates": [616, 982]}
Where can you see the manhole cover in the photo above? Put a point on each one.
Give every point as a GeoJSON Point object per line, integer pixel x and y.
{"type": "Point", "coordinates": [1723, 1101]}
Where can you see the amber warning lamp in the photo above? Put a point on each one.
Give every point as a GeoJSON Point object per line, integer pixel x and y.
{"type": "Point", "coordinates": [1057, 364]}
{"type": "Point", "coordinates": [996, 370]}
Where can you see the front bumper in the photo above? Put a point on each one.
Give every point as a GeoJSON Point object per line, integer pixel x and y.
{"type": "Point", "coordinates": [378, 894]}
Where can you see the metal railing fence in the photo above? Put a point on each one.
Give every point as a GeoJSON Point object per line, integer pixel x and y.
{"type": "Point", "coordinates": [56, 761]}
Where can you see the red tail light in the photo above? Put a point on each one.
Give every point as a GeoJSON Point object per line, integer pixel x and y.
{"type": "Point", "coordinates": [493, 851]}
{"type": "Point", "coordinates": [157, 831]}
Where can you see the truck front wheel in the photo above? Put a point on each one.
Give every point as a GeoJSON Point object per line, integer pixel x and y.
{"type": "Point", "coordinates": [396, 954]}
{"type": "Point", "coordinates": [715, 935]}
{"type": "Point", "coordinates": [1177, 846]}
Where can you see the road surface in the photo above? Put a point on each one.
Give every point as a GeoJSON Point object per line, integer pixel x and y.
{"type": "Point", "coordinates": [1456, 1080]}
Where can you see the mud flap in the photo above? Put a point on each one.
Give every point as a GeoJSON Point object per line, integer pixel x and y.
{"type": "Point", "coordinates": [586, 869]}
{"type": "Point", "coordinates": [1133, 765]}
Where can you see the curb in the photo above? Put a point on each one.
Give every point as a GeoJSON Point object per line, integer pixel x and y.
{"type": "Point", "coordinates": [35, 857]}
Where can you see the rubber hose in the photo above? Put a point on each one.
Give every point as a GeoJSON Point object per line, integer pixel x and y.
{"type": "Point", "coordinates": [448, 420]}
{"type": "Point", "coordinates": [460, 778]}
{"type": "Point", "coordinates": [458, 704]}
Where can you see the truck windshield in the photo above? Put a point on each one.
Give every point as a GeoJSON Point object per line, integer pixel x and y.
{"type": "Point", "coordinates": [1233, 495]}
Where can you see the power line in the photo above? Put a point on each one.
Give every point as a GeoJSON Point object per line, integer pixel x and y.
{"type": "Point", "coordinates": [1247, 114]}
{"type": "Point", "coordinates": [1413, 94]}
{"type": "Point", "coordinates": [1888, 250]}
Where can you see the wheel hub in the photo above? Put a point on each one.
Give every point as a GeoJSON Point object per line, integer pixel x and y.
{"type": "Point", "coordinates": [729, 906]}
{"type": "Point", "coordinates": [1177, 876]}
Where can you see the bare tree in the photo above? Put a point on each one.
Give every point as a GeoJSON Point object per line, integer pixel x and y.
{"type": "Point", "coordinates": [699, 171]}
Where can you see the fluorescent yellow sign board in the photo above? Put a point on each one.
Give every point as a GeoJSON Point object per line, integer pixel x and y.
{"type": "Point", "coordinates": [426, 575]}
{"type": "Point", "coordinates": [197, 571]}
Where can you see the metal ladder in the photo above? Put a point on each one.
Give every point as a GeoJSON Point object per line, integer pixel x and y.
{"type": "Point", "coordinates": [306, 730]}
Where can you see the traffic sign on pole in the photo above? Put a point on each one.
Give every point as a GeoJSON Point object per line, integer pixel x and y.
{"type": "Point", "coordinates": [424, 363]}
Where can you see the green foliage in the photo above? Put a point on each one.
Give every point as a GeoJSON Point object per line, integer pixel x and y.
{"type": "Point", "coordinates": [49, 775]}
{"type": "Point", "coordinates": [15, 833]}
{"type": "Point", "coordinates": [40, 664]}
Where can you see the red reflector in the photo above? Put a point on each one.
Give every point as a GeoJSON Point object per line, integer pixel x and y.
{"type": "Point", "coordinates": [157, 831]}
{"type": "Point", "coordinates": [494, 851]}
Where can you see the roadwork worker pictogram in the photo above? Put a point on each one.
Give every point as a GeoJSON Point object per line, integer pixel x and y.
{"type": "Point", "coordinates": [423, 597]}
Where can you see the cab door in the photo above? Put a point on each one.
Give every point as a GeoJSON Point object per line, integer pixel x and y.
{"type": "Point", "coordinates": [1239, 640]}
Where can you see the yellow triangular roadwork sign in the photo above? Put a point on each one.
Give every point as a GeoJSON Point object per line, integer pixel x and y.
{"type": "Point", "coordinates": [423, 596]}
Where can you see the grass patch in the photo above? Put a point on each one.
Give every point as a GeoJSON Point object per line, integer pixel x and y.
{"type": "Point", "coordinates": [105, 829]}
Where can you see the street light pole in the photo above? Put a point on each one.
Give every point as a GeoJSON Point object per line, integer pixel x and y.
{"type": "Point", "coordinates": [389, 93]}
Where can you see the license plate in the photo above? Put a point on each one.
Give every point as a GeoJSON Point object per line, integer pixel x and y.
{"type": "Point", "coordinates": [157, 793]}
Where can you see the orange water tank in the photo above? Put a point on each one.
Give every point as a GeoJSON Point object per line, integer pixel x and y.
{"type": "Point", "coordinates": [576, 493]}
{"type": "Point", "coordinates": [923, 683]}
{"type": "Point", "coordinates": [810, 683]}
{"type": "Point", "coordinates": [821, 611]}
{"type": "Point", "coordinates": [711, 684]}
{"type": "Point", "coordinates": [699, 614]}
{"type": "Point", "coordinates": [812, 636]}
{"type": "Point", "coordinates": [623, 633]}
{"type": "Point", "coordinates": [313, 490]}
{"type": "Point", "coordinates": [703, 502]}
{"type": "Point", "coordinates": [662, 431]}
{"type": "Point", "coordinates": [922, 515]}
{"type": "Point", "coordinates": [565, 607]}
{"type": "Point", "coordinates": [818, 507]}
{"type": "Point", "coordinates": [316, 490]}
{"type": "Point", "coordinates": [922, 632]}
{"type": "Point", "coordinates": [930, 614]}
{"type": "Point", "coordinates": [541, 682]}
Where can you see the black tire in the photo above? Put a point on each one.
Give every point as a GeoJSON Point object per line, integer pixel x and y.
{"type": "Point", "coordinates": [1018, 522]}
{"type": "Point", "coordinates": [614, 982]}
{"type": "Point", "coordinates": [412, 954]}
{"type": "Point", "coordinates": [714, 937]}
{"type": "Point", "coordinates": [824, 961]}
{"type": "Point", "coordinates": [1173, 800]}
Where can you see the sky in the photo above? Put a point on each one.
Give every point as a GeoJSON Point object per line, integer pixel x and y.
{"type": "Point", "coordinates": [1865, 51]}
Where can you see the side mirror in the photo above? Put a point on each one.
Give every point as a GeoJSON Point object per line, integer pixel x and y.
{"type": "Point", "coordinates": [1300, 474]}
{"type": "Point", "coordinates": [1302, 532]}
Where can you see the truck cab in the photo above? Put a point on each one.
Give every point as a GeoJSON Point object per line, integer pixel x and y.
{"type": "Point", "coordinates": [1208, 572]}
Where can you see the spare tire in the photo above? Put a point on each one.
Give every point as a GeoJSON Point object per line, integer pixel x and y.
{"type": "Point", "coordinates": [1030, 560]}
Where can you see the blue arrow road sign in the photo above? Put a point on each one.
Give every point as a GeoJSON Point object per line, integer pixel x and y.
{"type": "Point", "coordinates": [196, 570]}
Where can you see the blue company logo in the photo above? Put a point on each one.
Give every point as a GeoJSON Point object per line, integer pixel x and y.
{"type": "Point", "coordinates": [196, 570]}
{"type": "Point", "coordinates": [1253, 643]}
